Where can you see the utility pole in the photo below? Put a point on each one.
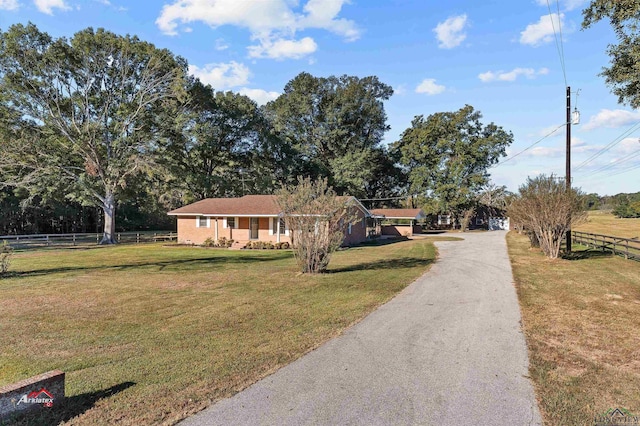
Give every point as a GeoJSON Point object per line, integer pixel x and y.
{"type": "Point", "coordinates": [568, 171]}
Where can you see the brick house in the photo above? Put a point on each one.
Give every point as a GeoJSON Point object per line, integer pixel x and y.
{"type": "Point", "coordinates": [250, 218]}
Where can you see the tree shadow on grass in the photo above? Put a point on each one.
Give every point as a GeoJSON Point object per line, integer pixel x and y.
{"type": "Point", "coordinates": [402, 263]}
{"type": "Point", "coordinates": [381, 242]}
{"type": "Point", "coordinates": [586, 254]}
{"type": "Point", "coordinates": [71, 407]}
{"type": "Point", "coordinates": [179, 264]}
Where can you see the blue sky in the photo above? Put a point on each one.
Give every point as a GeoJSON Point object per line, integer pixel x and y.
{"type": "Point", "coordinates": [499, 56]}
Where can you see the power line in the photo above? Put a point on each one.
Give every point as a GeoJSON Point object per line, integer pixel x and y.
{"type": "Point", "coordinates": [616, 163]}
{"type": "Point", "coordinates": [628, 169]}
{"type": "Point", "coordinates": [618, 172]}
{"type": "Point", "coordinates": [531, 146]}
{"type": "Point", "coordinates": [610, 145]}
{"type": "Point", "coordinates": [559, 44]}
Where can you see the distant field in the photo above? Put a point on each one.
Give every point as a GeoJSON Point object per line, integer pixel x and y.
{"type": "Point", "coordinates": [581, 319]}
{"type": "Point", "coordinates": [149, 334]}
{"type": "Point", "coordinates": [604, 222]}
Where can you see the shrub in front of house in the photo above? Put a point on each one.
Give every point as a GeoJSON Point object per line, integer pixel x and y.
{"type": "Point", "coordinates": [222, 242]}
{"type": "Point", "coordinates": [266, 245]}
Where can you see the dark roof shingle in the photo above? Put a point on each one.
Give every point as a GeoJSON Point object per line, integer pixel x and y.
{"type": "Point", "coordinates": [254, 205]}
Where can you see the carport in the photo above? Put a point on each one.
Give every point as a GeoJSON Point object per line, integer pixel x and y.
{"type": "Point", "coordinates": [400, 222]}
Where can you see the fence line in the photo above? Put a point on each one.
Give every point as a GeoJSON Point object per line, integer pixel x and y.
{"type": "Point", "coordinates": [55, 240]}
{"type": "Point", "coordinates": [627, 247]}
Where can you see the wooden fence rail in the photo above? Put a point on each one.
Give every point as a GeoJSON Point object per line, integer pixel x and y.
{"type": "Point", "coordinates": [627, 247]}
{"type": "Point", "coordinates": [55, 240]}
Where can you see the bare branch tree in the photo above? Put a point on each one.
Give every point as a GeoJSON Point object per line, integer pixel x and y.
{"type": "Point", "coordinates": [317, 218]}
{"type": "Point", "coordinates": [545, 207]}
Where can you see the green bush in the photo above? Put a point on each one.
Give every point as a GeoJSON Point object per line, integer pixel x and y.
{"type": "Point", "coordinates": [626, 209]}
{"type": "Point", "coordinates": [209, 242]}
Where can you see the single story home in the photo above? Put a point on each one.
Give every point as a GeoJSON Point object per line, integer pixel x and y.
{"type": "Point", "coordinates": [400, 222]}
{"type": "Point", "coordinates": [251, 218]}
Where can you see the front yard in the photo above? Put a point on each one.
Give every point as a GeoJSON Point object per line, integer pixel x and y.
{"type": "Point", "coordinates": [150, 334]}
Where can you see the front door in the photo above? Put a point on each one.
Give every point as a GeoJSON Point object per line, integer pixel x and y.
{"type": "Point", "coordinates": [253, 234]}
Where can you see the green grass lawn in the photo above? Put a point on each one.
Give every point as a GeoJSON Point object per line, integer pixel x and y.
{"type": "Point", "coordinates": [150, 334]}
{"type": "Point", "coordinates": [581, 319]}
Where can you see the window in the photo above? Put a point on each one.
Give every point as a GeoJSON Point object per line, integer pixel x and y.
{"type": "Point", "coordinates": [203, 222]}
{"type": "Point", "coordinates": [274, 226]}
{"type": "Point", "coordinates": [231, 222]}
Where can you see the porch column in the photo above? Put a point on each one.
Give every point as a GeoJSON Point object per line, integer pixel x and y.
{"type": "Point", "coordinates": [216, 230]}
{"type": "Point", "coordinates": [412, 220]}
{"type": "Point", "coordinates": [278, 229]}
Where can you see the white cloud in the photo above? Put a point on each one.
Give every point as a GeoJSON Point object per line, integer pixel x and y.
{"type": "Point", "coordinates": [105, 2]}
{"type": "Point", "coordinates": [577, 142]}
{"type": "Point", "coordinates": [221, 44]}
{"type": "Point", "coordinates": [322, 14]}
{"type": "Point", "coordinates": [272, 23]}
{"type": "Point", "coordinates": [628, 146]}
{"type": "Point", "coordinates": [260, 96]}
{"type": "Point", "coordinates": [450, 33]}
{"type": "Point", "coordinates": [543, 151]}
{"type": "Point", "coordinates": [429, 87]}
{"type": "Point", "coordinates": [511, 75]}
{"type": "Point", "coordinates": [222, 76]}
{"type": "Point", "coordinates": [612, 119]}
{"type": "Point", "coordinates": [543, 31]}
{"type": "Point", "coordinates": [47, 6]}
{"type": "Point", "coordinates": [281, 49]}
{"type": "Point", "coordinates": [400, 89]}
{"type": "Point", "coordinates": [9, 4]}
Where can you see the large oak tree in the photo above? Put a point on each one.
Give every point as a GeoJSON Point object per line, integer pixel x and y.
{"type": "Point", "coordinates": [448, 155]}
{"type": "Point", "coordinates": [89, 111]}
{"type": "Point", "coordinates": [336, 126]}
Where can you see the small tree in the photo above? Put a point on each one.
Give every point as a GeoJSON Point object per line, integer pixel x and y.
{"type": "Point", "coordinates": [317, 218]}
{"type": "Point", "coordinates": [546, 208]}
{"type": "Point", "coordinates": [6, 252]}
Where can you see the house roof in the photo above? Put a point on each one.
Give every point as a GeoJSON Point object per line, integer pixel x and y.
{"type": "Point", "coordinates": [400, 213]}
{"type": "Point", "coordinates": [249, 205]}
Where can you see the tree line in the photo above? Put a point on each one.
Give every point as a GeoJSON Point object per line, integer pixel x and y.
{"type": "Point", "coordinates": [109, 131]}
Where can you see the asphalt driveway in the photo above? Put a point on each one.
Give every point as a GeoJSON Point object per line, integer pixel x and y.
{"type": "Point", "coordinates": [448, 350]}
